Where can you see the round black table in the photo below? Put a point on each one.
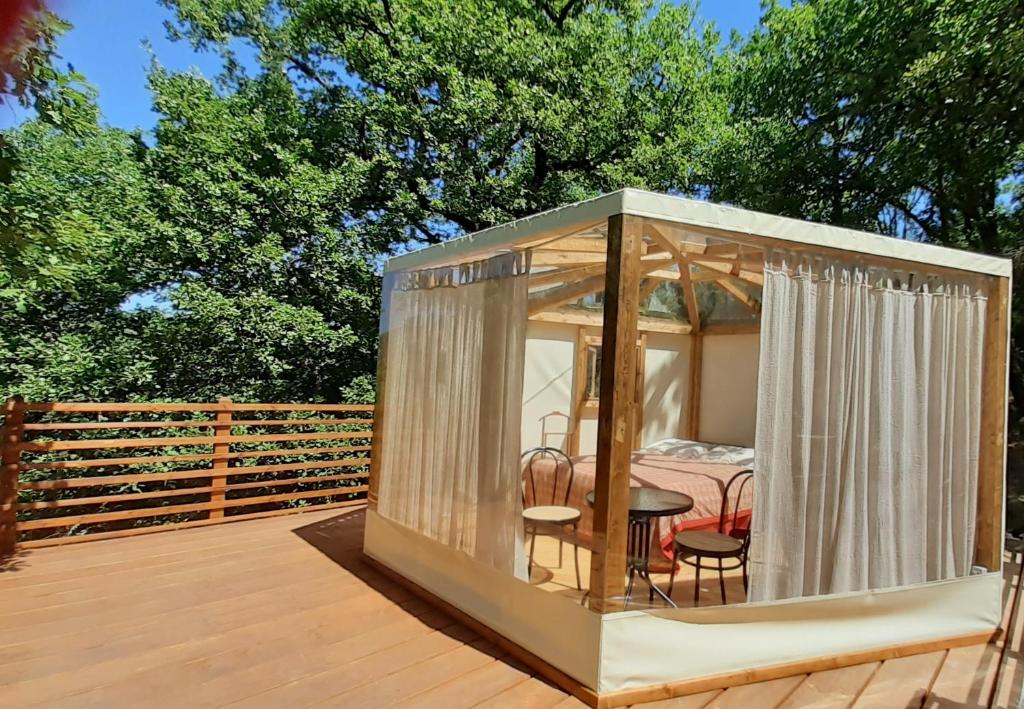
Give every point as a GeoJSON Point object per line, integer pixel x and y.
{"type": "Point", "coordinates": [646, 504]}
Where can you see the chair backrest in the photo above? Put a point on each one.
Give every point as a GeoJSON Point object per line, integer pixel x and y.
{"type": "Point", "coordinates": [560, 461]}
{"type": "Point", "coordinates": [740, 529]}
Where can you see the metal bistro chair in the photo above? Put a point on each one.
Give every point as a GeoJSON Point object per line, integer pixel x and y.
{"type": "Point", "coordinates": [552, 519]}
{"type": "Point", "coordinates": [716, 545]}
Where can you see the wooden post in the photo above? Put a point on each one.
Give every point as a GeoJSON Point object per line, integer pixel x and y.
{"type": "Point", "coordinates": [13, 431]}
{"type": "Point", "coordinates": [696, 376]}
{"type": "Point", "coordinates": [616, 412]}
{"type": "Point", "coordinates": [219, 480]}
{"type": "Point", "coordinates": [579, 390]}
{"type": "Point", "coordinates": [988, 543]}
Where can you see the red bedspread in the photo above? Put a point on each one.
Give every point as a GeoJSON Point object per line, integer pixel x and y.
{"type": "Point", "coordinates": [704, 482]}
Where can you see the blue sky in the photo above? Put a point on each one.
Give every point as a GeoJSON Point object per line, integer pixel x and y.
{"type": "Point", "coordinates": [108, 45]}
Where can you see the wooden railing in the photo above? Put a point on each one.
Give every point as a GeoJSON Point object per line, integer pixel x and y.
{"type": "Point", "coordinates": [65, 478]}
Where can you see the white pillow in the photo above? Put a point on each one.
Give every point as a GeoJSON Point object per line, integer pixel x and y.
{"type": "Point", "coordinates": [686, 450]}
{"type": "Point", "coordinates": [702, 452]}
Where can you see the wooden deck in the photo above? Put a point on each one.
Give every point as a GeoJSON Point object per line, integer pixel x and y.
{"type": "Point", "coordinates": [284, 612]}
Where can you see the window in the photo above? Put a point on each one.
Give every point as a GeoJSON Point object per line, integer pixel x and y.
{"type": "Point", "coordinates": [587, 378]}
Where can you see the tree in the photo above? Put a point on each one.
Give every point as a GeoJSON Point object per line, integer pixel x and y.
{"type": "Point", "coordinates": [463, 114]}
{"type": "Point", "coordinates": [896, 116]}
{"type": "Point", "coordinates": [901, 117]}
{"type": "Point", "coordinates": [36, 249]}
{"type": "Point", "coordinates": [273, 291]}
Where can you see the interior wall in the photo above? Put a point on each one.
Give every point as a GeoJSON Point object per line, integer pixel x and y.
{"type": "Point", "coordinates": [548, 387]}
{"type": "Point", "coordinates": [547, 384]}
{"type": "Point", "coordinates": [728, 393]}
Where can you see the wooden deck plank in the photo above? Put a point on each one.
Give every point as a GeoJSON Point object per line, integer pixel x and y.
{"type": "Point", "coordinates": [285, 612]}
{"type": "Point", "coordinates": [470, 689]}
{"type": "Point", "coordinates": [532, 692]}
{"type": "Point", "coordinates": [691, 701]}
{"type": "Point", "coordinates": [1010, 682]}
{"type": "Point", "coordinates": [966, 679]}
{"type": "Point", "coordinates": [832, 689]}
{"type": "Point", "coordinates": [902, 682]}
{"type": "Point", "coordinates": [402, 688]}
{"type": "Point", "coordinates": [369, 669]}
{"type": "Point", "coordinates": [764, 695]}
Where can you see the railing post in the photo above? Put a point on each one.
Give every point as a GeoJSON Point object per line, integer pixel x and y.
{"type": "Point", "coordinates": [13, 431]}
{"type": "Point", "coordinates": [219, 479]}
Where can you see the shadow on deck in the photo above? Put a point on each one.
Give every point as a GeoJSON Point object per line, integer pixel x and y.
{"type": "Point", "coordinates": [285, 612]}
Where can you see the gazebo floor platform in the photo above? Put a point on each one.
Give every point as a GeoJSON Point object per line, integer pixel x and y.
{"type": "Point", "coordinates": [284, 612]}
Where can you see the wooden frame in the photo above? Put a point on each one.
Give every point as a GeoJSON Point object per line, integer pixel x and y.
{"type": "Point", "coordinates": [581, 405]}
{"type": "Point", "coordinates": [988, 550]}
{"type": "Point", "coordinates": [615, 418]}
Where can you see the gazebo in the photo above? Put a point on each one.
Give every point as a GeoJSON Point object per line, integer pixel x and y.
{"type": "Point", "coordinates": [661, 343]}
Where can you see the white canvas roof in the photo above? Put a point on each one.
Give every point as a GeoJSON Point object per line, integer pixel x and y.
{"type": "Point", "coordinates": [704, 217]}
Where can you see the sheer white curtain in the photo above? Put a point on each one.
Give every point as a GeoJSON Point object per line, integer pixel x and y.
{"type": "Point", "coordinates": [452, 407]}
{"type": "Point", "coordinates": [867, 429]}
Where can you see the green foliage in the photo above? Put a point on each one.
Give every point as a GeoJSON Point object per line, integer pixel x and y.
{"type": "Point", "coordinates": [901, 117]}
{"type": "Point", "coordinates": [465, 114]}
{"type": "Point", "coordinates": [247, 235]}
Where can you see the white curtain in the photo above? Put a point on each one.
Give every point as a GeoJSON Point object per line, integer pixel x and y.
{"type": "Point", "coordinates": [452, 406]}
{"type": "Point", "coordinates": [867, 429]}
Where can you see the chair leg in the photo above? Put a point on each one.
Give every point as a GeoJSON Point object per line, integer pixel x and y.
{"type": "Point", "coordinates": [629, 586]}
{"type": "Point", "coordinates": [746, 582]}
{"type": "Point", "coordinates": [576, 557]}
{"type": "Point", "coordinates": [696, 582]}
{"type": "Point", "coordinates": [721, 580]}
{"type": "Point", "coordinates": [672, 574]}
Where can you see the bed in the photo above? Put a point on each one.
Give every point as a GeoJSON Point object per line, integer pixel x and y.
{"type": "Point", "coordinates": [700, 470]}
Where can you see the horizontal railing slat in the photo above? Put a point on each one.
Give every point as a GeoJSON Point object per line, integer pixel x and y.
{"type": "Point", "coordinates": [104, 480]}
{"type": "Point", "coordinates": [189, 458]}
{"type": "Point", "coordinates": [102, 408]}
{"type": "Point", "coordinates": [98, 443]}
{"type": "Point", "coordinates": [102, 425]}
{"type": "Point", "coordinates": [72, 520]}
{"type": "Point", "coordinates": [182, 492]}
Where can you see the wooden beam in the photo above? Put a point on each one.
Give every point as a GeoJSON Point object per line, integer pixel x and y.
{"type": "Point", "coordinates": [664, 274]}
{"type": "Point", "coordinates": [13, 430]}
{"type": "Point", "coordinates": [219, 477]}
{"type": "Point", "coordinates": [752, 328]}
{"type": "Point", "coordinates": [563, 275]}
{"type": "Point", "coordinates": [988, 548]}
{"type": "Point", "coordinates": [616, 412]}
{"type": "Point", "coordinates": [565, 258]}
{"type": "Point", "coordinates": [579, 389]}
{"type": "Point", "coordinates": [574, 243]}
{"type": "Point", "coordinates": [748, 301]}
{"type": "Point", "coordinates": [649, 285]}
{"type": "Point", "coordinates": [754, 277]}
{"type": "Point", "coordinates": [696, 376]}
{"type": "Point", "coordinates": [675, 235]}
{"type": "Point", "coordinates": [760, 242]}
{"type": "Point", "coordinates": [568, 293]}
{"type": "Point", "coordinates": [571, 292]}
{"type": "Point", "coordinates": [689, 292]}
{"type": "Point", "coordinates": [581, 317]}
